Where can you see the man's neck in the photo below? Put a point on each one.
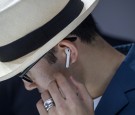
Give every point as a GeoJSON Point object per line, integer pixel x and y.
{"type": "Point", "coordinates": [100, 67]}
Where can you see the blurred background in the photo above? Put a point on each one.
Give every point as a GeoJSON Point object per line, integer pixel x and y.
{"type": "Point", "coordinates": [116, 20]}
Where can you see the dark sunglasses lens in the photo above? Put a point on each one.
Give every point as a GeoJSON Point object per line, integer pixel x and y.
{"type": "Point", "coordinates": [26, 78]}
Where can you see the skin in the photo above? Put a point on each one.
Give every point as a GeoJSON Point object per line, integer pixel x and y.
{"type": "Point", "coordinates": [90, 76]}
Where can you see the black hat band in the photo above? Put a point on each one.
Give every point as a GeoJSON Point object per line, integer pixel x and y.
{"type": "Point", "coordinates": [39, 37]}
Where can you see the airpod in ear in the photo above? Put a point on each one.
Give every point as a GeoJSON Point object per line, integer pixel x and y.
{"type": "Point", "coordinates": [67, 51]}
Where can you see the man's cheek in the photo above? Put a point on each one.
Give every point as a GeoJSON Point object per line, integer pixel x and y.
{"type": "Point", "coordinates": [44, 81]}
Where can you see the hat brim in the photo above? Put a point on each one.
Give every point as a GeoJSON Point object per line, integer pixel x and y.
{"type": "Point", "coordinates": [12, 68]}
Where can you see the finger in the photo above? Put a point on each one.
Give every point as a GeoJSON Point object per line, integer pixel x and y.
{"type": "Point", "coordinates": [45, 96]}
{"type": "Point", "coordinates": [65, 86]}
{"type": "Point", "coordinates": [55, 93]}
{"type": "Point", "coordinates": [40, 107]}
{"type": "Point", "coordinates": [83, 93]}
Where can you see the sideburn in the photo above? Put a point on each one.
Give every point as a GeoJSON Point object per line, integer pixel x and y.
{"type": "Point", "coordinates": [50, 57]}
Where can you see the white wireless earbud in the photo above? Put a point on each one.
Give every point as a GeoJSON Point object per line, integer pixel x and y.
{"type": "Point", "coordinates": [67, 51]}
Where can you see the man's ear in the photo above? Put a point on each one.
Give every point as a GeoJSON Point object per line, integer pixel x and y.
{"type": "Point", "coordinates": [63, 45]}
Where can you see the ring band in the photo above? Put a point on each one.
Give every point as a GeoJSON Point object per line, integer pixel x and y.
{"type": "Point", "coordinates": [48, 104]}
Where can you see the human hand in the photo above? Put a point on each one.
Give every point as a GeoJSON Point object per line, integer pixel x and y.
{"type": "Point", "coordinates": [67, 102]}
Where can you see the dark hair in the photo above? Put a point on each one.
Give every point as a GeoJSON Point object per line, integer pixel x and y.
{"type": "Point", "coordinates": [86, 31]}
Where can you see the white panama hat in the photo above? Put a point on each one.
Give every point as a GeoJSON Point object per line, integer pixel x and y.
{"type": "Point", "coordinates": [30, 28]}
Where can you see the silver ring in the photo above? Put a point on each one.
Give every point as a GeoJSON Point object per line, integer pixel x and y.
{"type": "Point", "coordinates": [48, 104]}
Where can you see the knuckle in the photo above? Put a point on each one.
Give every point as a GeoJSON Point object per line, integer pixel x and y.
{"type": "Point", "coordinates": [50, 85]}
{"type": "Point", "coordinates": [73, 104]}
{"type": "Point", "coordinates": [61, 79]}
{"type": "Point", "coordinates": [73, 100]}
{"type": "Point", "coordinates": [62, 106]}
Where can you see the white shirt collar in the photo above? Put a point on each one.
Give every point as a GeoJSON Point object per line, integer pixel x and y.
{"type": "Point", "coordinates": [96, 101]}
